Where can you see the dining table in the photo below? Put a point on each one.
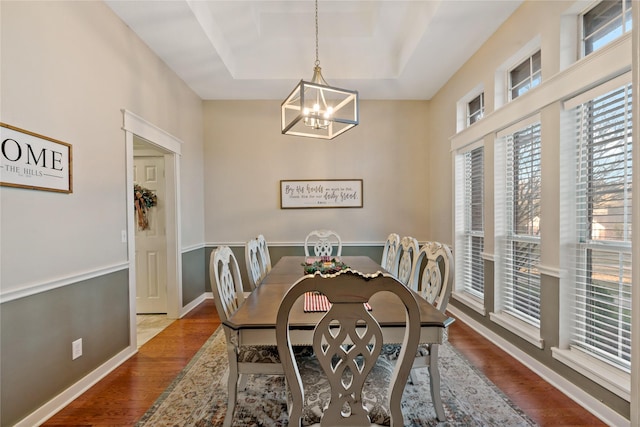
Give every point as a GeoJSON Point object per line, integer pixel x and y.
{"type": "Point", "coordinates": [254, 322]}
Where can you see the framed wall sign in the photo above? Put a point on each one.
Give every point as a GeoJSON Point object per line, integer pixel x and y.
{"type": "Point", "coordinates": [36, 162]}
{"type": "Point", "coordinates": [328, 193]}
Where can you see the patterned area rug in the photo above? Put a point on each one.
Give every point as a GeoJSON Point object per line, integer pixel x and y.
{"type": "Point", "coordinates": [197, 397]}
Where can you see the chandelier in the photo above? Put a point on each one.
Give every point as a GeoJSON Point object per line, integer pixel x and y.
{"type": "Point", "coordinates": [316, 110]}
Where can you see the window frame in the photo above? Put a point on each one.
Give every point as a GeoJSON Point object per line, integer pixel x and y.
{"type": "Point", "coordinates": [505, 314]}
{"type": "Point", "coordinates": [476, 114]}
{"type": "Point", "coordinates": [625, 26]}
{"type": "Point", "coordinates": [532, 80]}
{"type": "Point", "coordinates": [610, 375]}
{"type": "Point", "coordinates": [466, 229]}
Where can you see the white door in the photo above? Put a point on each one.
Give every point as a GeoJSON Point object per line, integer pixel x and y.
{"type": "Point", "coordinates": [151, 245]}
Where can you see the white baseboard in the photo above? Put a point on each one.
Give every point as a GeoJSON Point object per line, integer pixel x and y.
{"type": "Point", "coordinates": [49, 409]}
{"type": "Point", "coordinates": [578, 395]}
{"type": "Point", "coordinates": [193, 304]}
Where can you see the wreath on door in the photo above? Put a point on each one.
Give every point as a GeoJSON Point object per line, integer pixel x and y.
{"type": "Point", "coordinates": [143, 199]}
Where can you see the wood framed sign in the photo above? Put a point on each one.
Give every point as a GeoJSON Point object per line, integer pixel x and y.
{"type": "Point", "coordinates": [36, 162]}
{"type": "Point", "coordinates": [328, 193]}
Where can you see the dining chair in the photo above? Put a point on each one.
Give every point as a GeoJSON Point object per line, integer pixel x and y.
{"type": "Point", "coordinates": [252, 258]}
{"type": "Point", "coordinates": [347, 383]}
{"type": "Point", "coordinates": [407, 253]}
{"type": "Point", "coordinates": [243, 360]}
{"type": "Point", "coordinates": [390, 252]}
{"type": "Point", "coordinates": [323, 243]}
{"type": "Point", "coordinates": [264, 256]}
{"type": "Point", "coordinates": [432, 278]}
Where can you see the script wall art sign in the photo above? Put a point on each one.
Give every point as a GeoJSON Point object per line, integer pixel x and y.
{"type": "Point", "coordinates": [36, 162]}
{"type": "Point", "coordinates": [328, 193]}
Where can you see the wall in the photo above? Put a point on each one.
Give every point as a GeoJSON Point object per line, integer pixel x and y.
{"type": "Point", "coordinates": [246, 156]}
{"type": "Point", "coordinates": [552, 26]}
{"type": "Point", "coordinates": [67, 70]}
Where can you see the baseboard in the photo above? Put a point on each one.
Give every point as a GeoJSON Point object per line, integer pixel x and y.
{"type": "Point", "coordinates": [49, 409]}
{"type": "Point", "coordinates": [193, 304]}
{"type": "Point", "coordinates": [582, 398]}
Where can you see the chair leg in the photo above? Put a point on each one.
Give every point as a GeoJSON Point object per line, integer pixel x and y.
{"type": "Point", "coordinates": [434, 374]}
{"type": "Point", "coordinates": [242, 383]}
{"type": "Point", "coordinates": [232, 391]}
{"type": "Point", "coordinates": [413, 377]}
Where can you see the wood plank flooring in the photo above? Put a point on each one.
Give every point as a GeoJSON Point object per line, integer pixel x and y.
{"type": "Point", "coordinates": [122, 397]}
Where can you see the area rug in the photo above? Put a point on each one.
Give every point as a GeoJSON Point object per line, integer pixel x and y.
{"type": "Point", "coordinates": [198, 396]}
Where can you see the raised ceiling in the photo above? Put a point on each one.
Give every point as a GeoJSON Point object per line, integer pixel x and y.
{"type": "Point", "coordinates": [385, 49]}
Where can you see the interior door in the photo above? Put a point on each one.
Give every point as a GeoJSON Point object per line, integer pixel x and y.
{"type": "Point", "coordinates": [151, 245]}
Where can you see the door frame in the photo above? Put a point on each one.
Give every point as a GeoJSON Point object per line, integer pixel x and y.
{"type": "Point", "coordinates": [135, 125]}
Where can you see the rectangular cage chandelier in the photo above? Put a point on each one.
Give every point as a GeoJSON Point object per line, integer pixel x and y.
{"type": "Point", "coordinates": [316, 110]}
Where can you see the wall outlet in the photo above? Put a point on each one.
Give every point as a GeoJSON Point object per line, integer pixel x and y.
{"type": "Point", "coordinates": [76, 349]}
{"type": "Point", "coordinates": [123, 236]}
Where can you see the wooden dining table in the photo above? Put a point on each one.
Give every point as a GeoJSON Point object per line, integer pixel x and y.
{"type": "Point", "coordinates": [254, 323]}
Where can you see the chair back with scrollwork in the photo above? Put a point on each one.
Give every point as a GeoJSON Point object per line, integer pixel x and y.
{"type": "Point", "coordinates": [227, 292]}
{"type": "Point", "coordinates": [390, 252]}
{"type": "Point", "coordinates": [263, 255]}
{"type": "Point", "coordinates": [347, 342]}
{"type": "Point", "coordinates": [407, 253]}
{"type": "Point", "coordinates": [254, 270]}
{"type": "Point", "coordinates": [432, 275]}
{"type": "Point", "coordinates": [323, 243]}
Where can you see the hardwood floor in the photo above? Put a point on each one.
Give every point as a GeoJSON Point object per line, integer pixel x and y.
{"type": "Point", "coordinates": [124, 396]}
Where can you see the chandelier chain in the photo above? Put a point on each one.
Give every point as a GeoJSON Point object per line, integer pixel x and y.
{"type": "Point", "coordinates": [317, 60]}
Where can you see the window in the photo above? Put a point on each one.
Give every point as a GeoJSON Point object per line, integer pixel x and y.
{"type": "Point", "coordinates": [605, 22]}
{"type": "Point", "coordinates": [470, 221]}
{"type": "Point", "coordinates": [525, 76]}
{"type": "Point", "coordinates": [602, 268]}
{"type": "Point", "coordinates": [475, 109]}
{"type": "Point", "coordinates": [517, 222]}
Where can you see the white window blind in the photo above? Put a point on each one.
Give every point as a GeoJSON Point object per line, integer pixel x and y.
{"type": "Point", "coordinates": [602, 293]}
{"type": "Point", "coordinates": [520, 292]}
{"type": "Point", "coordinates": [470, 244]}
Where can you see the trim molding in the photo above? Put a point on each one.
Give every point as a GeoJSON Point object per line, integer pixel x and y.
{"type": "Point", "coordinates": [193, 248]}
{"type": "Point", "coordinates": [578, 395]}
{"type": "Point", "coordinates": [193, 304]}
{"type": "Point", "coordinates": [49, 409]}
{"type": "Point", "coordinates": [549, 271]}
{"type": "Point", "coordinates": [300, 244]}
{"type": "Point", "coordinates": [59, 283]}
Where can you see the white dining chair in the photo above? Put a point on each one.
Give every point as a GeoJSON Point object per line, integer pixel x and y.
{"type": "Point", "coordinates": [264, 256]}
{"type": "Point", "coordinates": [254, 271]}
{"type": "Point", "coordinates": [243, 360]}
{"type": "Point", "coordinates": [390, 252]}
{"type": "Point", "coordinates": [346, 382]}
{"type": "Point", "coordinates": [323, 243]}
{"type": "Point", "coordinates": [432, 278]}
{"type": "Point", "coordinates": [407, 253]}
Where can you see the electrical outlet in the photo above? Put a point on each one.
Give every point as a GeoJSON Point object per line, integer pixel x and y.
{"type": "Point", "coordinates": [123, 236]}
{"type": "Point", "coordinates": [76, 349]}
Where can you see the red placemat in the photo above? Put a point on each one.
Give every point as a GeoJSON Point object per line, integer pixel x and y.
{"type": "Point", "coordinates": [314, 302]}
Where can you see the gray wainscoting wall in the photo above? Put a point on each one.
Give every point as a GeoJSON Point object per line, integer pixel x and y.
{"type": "Point", "coordinates": [37, 366]}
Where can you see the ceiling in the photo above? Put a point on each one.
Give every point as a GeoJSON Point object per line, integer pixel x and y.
{"type": "Point", "coordinates": [244, 49]}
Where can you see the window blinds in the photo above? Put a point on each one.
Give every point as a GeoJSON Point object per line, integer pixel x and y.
{"type": "Point", "coordinates": [602, 294]}
{"type": "Point", "coordinates": [521, 251]}
{"type": "Point", "coordinates": [473, 240]}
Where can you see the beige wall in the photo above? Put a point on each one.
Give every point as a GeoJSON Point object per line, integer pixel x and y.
{"type": "Point", "coordinates": [552, 27]}
{"type": "Point", "coordinates": [246, 156]}
{"type": "Point", "coordinates": [68, 68]}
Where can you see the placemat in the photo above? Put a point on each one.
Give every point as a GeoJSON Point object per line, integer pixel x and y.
{"type": "Point", "coordinates": [315, 302]}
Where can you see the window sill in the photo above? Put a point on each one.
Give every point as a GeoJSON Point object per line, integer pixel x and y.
{"type": "Point", "coordinates": [613, 379]}
{"type": "Point", "coordinates": [470, 301]}
{"type": "Point", "coordinates": [523, 330]}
